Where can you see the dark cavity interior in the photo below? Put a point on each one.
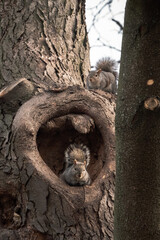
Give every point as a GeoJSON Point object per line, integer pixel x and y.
{"type": "Point", "coordinates": [56, 135]}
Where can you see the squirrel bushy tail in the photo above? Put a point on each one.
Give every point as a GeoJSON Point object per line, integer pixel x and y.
{"type": "Point", "coordinates": [80, 152]}
{"type": "Point", "coordinates": [107, 64]}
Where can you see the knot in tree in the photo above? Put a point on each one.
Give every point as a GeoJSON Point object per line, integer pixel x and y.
{"type": "Point", "coordinates": [42, 130]}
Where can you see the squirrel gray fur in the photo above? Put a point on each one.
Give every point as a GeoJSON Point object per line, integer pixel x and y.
{"type": "Point", "coordinates": [76, 174]}
{"type": "Point", "coordinates": [104, 77]}
{"type": "Point", "coordinates": [77, 158]}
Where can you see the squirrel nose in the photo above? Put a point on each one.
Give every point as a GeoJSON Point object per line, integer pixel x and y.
{"type": "Point", "coordinates": [80, 175]}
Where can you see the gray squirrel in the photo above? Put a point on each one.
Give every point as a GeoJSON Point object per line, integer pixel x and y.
{"type": "Point", "coordinates": [104, 77]}
{"type": "Point", "coordinates": [77, 158]}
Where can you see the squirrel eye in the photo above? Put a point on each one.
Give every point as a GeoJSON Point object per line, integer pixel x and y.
{"type": "Point", "coordinates": [96, 75]}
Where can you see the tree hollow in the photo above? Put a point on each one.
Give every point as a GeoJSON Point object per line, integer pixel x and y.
{"type": "Point", "coordinates": [41, 148]}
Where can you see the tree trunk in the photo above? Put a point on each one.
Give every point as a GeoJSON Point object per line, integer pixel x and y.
{"type": "Point", "coordinates": [137, 210]}
{"type": "Point", "coordinates": [44, 49]}
{"type": "Point", "coordinates": [44, 41]}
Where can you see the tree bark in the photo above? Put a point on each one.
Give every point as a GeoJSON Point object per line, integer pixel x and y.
{"type": "Point", "coordinates": [45, 42]}
{"type": "Point", "coordinates": [40, 199]}
{"type": "Point", "coordinates": [137, 211]}
{"type": "Point", "coordinates": [44, 50]}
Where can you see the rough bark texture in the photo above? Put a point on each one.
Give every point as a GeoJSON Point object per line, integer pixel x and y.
{"type": "Point", "coordinates": [44, 46]}
{"type": "Point", "coordinates": [137, 209]}
{"type": "Point", "coordinates": [43, 41]}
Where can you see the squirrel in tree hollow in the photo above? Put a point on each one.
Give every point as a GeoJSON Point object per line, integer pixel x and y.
{"type": "Point", "coordinates": [77, 158]}
{"type": "Point", "coordinates": [104, 77]}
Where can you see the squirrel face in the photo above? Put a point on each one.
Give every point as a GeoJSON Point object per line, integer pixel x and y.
{"type": "Point", "coordinates": [79, 169]}
{"type": "Point", "coordinates": [94, 78]}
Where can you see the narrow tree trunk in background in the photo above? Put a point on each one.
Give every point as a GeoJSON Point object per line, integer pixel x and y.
{"type": "Point", "coordinates": [44, 46]}
{"type": "Point", "coordinates": [137, 209]}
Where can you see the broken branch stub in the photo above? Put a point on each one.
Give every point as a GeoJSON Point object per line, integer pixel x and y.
{"type": "Point", "coordinates": [151, 103]}
{"type": "Point", "coordinates": [16, 93]}
{"type": "Point", "coordinates": [82, 123]}
{"type": "Point", "coordinates": [21, 88]}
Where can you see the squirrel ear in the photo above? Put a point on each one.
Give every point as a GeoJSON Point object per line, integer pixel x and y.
{"type": "Point", "coordinates": [75, 162]}
{"type": "Point", "coordinates": [85, 163]}
{"type": "Point", "coordinates": [99, 70]}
